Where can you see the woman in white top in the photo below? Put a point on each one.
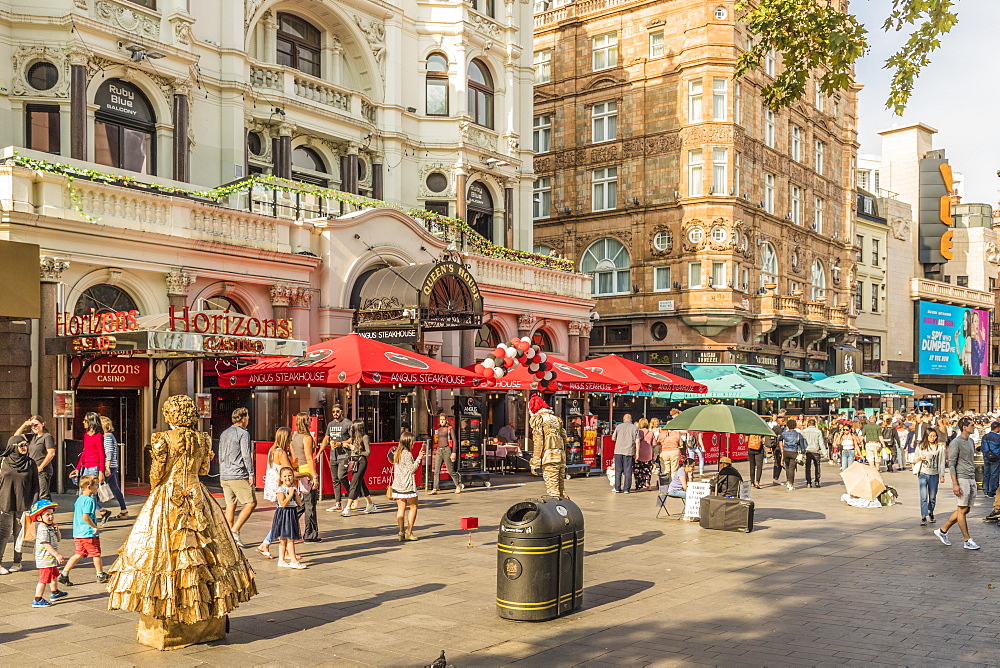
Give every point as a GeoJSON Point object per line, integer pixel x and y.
{"type": "Point", "coordinates": [928, 464]}
{"type": "Point", "coordinates": [846, 441]}
{"type": "Point", "coordinates": [404, 487]}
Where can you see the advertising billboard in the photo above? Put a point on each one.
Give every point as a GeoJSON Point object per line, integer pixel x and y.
{"type": "Point", "coordinates": [953, 341]}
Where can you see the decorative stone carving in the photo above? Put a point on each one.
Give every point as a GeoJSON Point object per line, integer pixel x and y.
{"type": "Point", "coordinates": [992, 252]}
{"type": "Point", "coordinates": [670, 241]}
{"type": "Point", "coordinates": [486, 26]}
{"type": "Point", "coordinates": [474, 135]}
{"type": "Point", "coordinates": [604, 154]}
{"type": "Point", "coordinates": [900, 228]}
{"type": "Point", "coordinates": [835, 270]}
{"type": "Point", "coordinates": [665, 143]}
{"type": "Point", "coordinates": [375, 35]}
{"type": "Point", "coordinates": [543, 164]}
{"type": "Point", "coordinates": [179, 281]}
{"type": "Point", "coordinates": [127, 19]}
{"type": "Point", "coordinates": [632, 148]}
{"type": "Point", "coordinates": [250, 8]}
{"type": "Point", "coordinates": [281, 294]}
{"type": "Point", "coordinates": [301, 297]}
{"type": "Point", "coordinates": [707, 134]}
{"type": "Point", "coordinates": [576, 327]}
{"type": "Point", "coordinates": [525, 321]}
{"type": "Point", "coordinates": [25, 57]}
{"type": "Point", "coordinates": [427, 170]}
{"type": "Point", "coordinates": [52, 268]}
{"type": "Point", "coordinates": [182, 29]}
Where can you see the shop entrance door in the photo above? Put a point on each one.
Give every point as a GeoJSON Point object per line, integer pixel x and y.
{"type": "Point", "coordinates": [124, 407]}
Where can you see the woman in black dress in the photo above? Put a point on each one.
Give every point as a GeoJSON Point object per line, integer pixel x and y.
{"type": "Point", "coordinates": [18, 490]}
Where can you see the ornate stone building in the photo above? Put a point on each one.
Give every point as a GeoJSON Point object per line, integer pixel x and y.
{"type": "Point", "coordinates": [716, 230]}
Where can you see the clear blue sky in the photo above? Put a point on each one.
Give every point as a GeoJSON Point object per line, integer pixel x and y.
{"type": "Point", "coordinates": [959, 93]}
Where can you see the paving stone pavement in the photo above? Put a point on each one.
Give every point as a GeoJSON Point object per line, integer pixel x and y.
{"type": "Point", "coordinates": [816, 583]}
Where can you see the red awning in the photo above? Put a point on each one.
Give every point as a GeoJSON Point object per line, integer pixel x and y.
{"type": "Point", "coordinates": [571, 377]}
{"type": "Point", "coordinates": [640, 377]}
{"type": "Point", "coordinates": [352, 359]}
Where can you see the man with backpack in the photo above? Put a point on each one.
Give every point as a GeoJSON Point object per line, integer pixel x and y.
{"type": "Point", "coordinates": [793, 445]}
{"type": "Point", "coordinates": [778, 427]}
{"type": "Point", "coordinates": [990, 447]}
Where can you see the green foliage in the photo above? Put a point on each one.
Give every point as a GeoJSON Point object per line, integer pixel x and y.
{"type": "Point", "coordinates": [814, 38]}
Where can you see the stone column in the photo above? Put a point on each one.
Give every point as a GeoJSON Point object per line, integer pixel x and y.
{"type": "Point", "coordinates": [575, 327]}
{"type": "Point", "coordinates": [525, 322]}
{"type": "Point", "coordinates": [78, 105]}
{"type": "Point", "coordinates": [461, 178]}
{"type": "Point", "coordinates": [182, 145]}
{"type": "Point", "coordinates": [459, 73]}
{"type": "Point", "coordinates": [377, 184]}
{"type": "Point", "coordinates": [349, 170]}
{"type": "Point", "coordinates": [585, 328]}
{"type": "Point", "coordinates": [282, 151]}
{"type": "Point", "coordinates": [300, 301]}
{"type": "Point", "coordinates": [50, 376]}
{"type": "Point", "coordinates": [270, 27]}
{"type": "Point", "coordinates": [334, 61]}
{"type": "Point", "coordinates": [508, 217]}
{"type": "Point", "coordinates": [281, 296]}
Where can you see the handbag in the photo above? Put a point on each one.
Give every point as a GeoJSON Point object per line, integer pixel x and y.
{"type": "Point", "coordinates": [352, 465]}
{"type": "Point", "coordinates": [917, 466]}
{"type": "Point", "coordinates": [388, 493]}
{"type": "Point", "coordinates": [104, 493]}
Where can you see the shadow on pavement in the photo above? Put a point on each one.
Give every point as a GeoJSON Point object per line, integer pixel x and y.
{"type": "Point", "coordinates": [628, 542]}
{"type": "Point", "coordinates": [21, 634]}
{"type": "Point", "coordinates": [615, 591]}
{"type": "Point", "coordinates": [764, 514]}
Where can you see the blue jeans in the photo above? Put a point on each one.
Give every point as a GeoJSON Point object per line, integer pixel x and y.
{"type": "Point", "coordinates": [678, 493]}
{"type": "Point", "coordinates": [928, 492]}
{"type": "Point", "coordinates": [87, 470]}
{"type": "Point", "coordinates": [991, 477]}
{"type": "Point", "coordinates": [846, 458]}
{"type": "Point", "coordinates": [112, 481]}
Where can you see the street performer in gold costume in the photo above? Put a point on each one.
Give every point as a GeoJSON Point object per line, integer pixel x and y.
{"type": "Point", "coordinates": [180, 568]}
{"type": "Point", "coordinates": [549, 439]}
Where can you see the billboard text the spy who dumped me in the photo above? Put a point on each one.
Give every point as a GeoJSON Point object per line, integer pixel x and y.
{"type": "Point", "coordinates": [953, 341]}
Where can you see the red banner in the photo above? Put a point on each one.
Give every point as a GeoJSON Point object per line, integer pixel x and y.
{"type": "Point", "coordinates": [114, 372]}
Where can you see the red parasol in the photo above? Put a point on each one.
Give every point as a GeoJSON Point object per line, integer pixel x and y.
{"type": "Point", "coordinates": [568, 377]}
{"type": "Point", "coordinates": [352, 359]}
{"type": "Point", "coordinates": [640, 377]}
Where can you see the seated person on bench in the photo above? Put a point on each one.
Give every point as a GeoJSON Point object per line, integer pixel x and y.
{"type": "Point", "coordinates": [678, 486]}
{"type": "Point", "coordinates": [727, 482]}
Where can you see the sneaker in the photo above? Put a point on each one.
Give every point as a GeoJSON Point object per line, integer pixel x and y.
{"type": "Point", "coordinates": [930, 517]}
{"type": "Point", "coordinates": [297, 565]}
{"type": "Point", "coordinates": [943, 536]}
{"type": "Point", "coordinates": [970, 545]}
{"type": "Point", "coordinates": [63, 579]}
{"type": "Point", "coordinates": [923, 521]}
{"type": "Point", "coordinates": [370, 508]}
{"type": "Point", "coordinates": [282, 564]}
{"type": "Point", "coordinates": [105, 516]}
{"type": "Point", "coordinates": [816, 484]}
{"type": "Point", "coordinates": [103, 577]}
{"type": "Point", "coordinates": [58, 595]}
{"type": "Point", "coordinates": [346, 512]}
{"type": "Point", "coordinates": [40, 603]}
{"type": "Point", "coordinates": [335, 508]}
{"type": "Point", "coordinates": [15, 567]}
{"type": "Point", "coordinates": [236, 537]}
{"type": "Point", "coordinates": [4, 571]}
{"type": "Point", "coordinates": [789, 486]}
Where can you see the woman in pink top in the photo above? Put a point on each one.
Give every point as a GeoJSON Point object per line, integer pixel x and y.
{"type": "Point", "coordinates": [91, 460]}
{"type": "Point", "coordinates": [670, 452]}
{"type": "Point", "coordinates": [643, 467]}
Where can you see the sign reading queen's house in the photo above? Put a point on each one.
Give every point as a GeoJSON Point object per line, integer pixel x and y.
{"type": "Point", "coordinates": [178, 333]}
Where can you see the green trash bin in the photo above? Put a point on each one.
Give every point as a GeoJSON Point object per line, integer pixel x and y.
{"type": "Point", "coordinates": [540, 560]}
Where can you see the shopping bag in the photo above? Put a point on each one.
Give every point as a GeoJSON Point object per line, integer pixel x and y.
{"type": "Point", "coordinates": [104, 493]}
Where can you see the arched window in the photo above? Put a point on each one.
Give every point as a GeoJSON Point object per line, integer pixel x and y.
{"type": "Point", "coordinates": [480, 94]}
{"type": "Point", "coordinates": [104, 298]}
{"type": "Point", "coordinates": [542, 339]}
{"type": "Point", "coordinates": [768, 264]}
{"type": "Point", "coordinates": [123, 128]}
{"type": "Point", "coordinates": [437, 85]}
{"type": "Point", "coordinates": [818, 280]}
{"type": "Point", "coordinates": [308, 167]}
{"type": "Point", "coordinates": [298, 44]}
{"type": "Point", "coordinates": [487, 337]}
{"type": "Point", "coordinates": [607, 260]}
{"type": "Point", "coordinates": [220, 303]}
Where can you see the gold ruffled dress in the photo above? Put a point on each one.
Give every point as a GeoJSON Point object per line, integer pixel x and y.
{"type": "Point", "coordinates": [180, 564]}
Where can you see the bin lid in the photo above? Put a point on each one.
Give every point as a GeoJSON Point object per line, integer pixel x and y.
{"type": "Point", "coordinates": [545, 517]}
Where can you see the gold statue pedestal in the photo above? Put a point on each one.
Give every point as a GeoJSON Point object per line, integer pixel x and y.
{"type": "Point", "coordinates": [162, 634]}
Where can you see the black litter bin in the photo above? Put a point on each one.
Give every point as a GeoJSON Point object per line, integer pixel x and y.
{"type": "Point", "coordinates": [540, 560]}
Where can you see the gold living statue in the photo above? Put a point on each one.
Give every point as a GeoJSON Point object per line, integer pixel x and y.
{"type": "Point", "coordinates": [549, 439]}
{"type": "Point", "coordinates": [180, 568]}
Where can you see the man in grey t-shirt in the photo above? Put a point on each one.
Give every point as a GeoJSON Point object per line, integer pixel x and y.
{"type": "Point", "coordinates": [338, 430]}
{"type": "Point", "coordinates": [626, 438]}
{"type": "Point", "coordinates": [961, 451]}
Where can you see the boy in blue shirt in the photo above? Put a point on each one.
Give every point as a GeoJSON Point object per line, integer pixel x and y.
{"type": "Point", "coordinates": [86, 534]}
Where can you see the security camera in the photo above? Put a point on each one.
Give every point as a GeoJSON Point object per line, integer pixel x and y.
{"type": "Point", "coordinates": [595, 316]}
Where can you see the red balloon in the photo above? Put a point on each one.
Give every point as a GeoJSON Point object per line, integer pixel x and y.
{"type": "Point", "coordinates": [490, 382]}
{"type": "Point", "coordinates": [479, 369]}
{"type": "Point", "coordinates": [488, 372]}
{"type": "Point", "coordinates": [523, 345]}
{"type": "Point", "coordinates": [509, 362]}
{"type": "Point", "coordinates": [500, 351]}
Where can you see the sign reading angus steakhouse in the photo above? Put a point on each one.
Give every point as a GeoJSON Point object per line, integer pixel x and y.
{"type": "Point", "coordinates": [178, 332]}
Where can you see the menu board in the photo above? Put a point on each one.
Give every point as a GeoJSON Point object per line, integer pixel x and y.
{"type": "Point", "coordinates": [574, 438]}
{"type": "Point", "coordinates": [470, 434]}
{"type": "Point", "coordinates": [590, 441]}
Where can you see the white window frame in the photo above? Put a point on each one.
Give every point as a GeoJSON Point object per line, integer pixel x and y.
{"type": "Point", "coordinates": [770, 59]}
{"type": "Point", "coordinates": [720, 171]}
{"type": "Point", "coordinates": [769, 127]}
{"type": "Point", "coordinates": [796, 147]}
{"type": "Point", "coordinates": [819, 100]}
{"type": "Point", "coordinates": [656, 44]}
{"type": "Point", "coordinates": [795, 204]}
{"type": "Point", "coordinates": [737, 173]}
{"type": "Point", "coordinates": [541, 198]}
{"type": "Point", "coordinates": [694, 274]}
{"type": "Point", "coordinates": [738, 103]}
{"type": "Point", "coordinates": [696, 173]}
{"type": "Point", "coordinates": [541, 133]}
{"type": "Point", "coordinates": [818, 280]}
{"type": "Point", "coordinates": [820, 156]}
{"type": "Point", "coordinates": [720, 98]}
{"type": "Point", "coordinates": [769, 269]}
{"type": "Point", "coordinates": [604, 189]}
{"type": "Point", "coordinates": [659, 274]}
{"type": "Point", "coordinates": [664, 236]}
{"type": "Point", "coordinates": [718, 274]}
{"type": "Point", "coordinates": [694, 106]}
{"type": "Point", "coordinates": [606, 262]}
{"type": "Point", "coordinates": [604, 51]}
{"type": "Point", "coordinates": [604, 121]}
{"type": "Point", "coordinates": [818, 206]}
{"type": "Point", "coordinates": [769, 192]}
{"type": "Point", "coordinates": [542, 60]}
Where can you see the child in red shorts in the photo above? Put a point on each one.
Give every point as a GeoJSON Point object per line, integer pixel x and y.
{"type": "Point", "coordinates": [47, 555]}
{"type": "Point", "coordinates": [86, 534]}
